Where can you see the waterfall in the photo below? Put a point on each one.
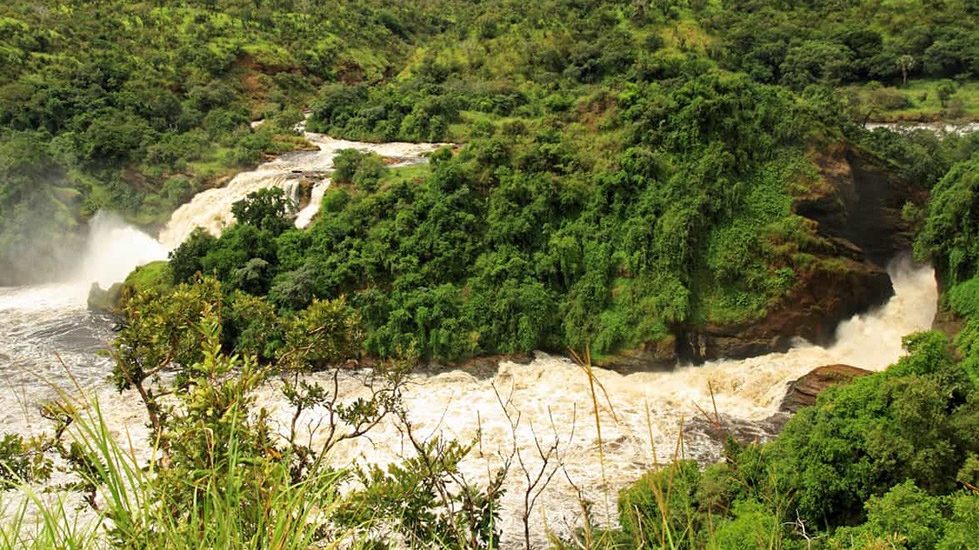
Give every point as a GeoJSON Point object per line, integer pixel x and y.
{"type": "Point", "coordinates": [113, 250]}
{"type": "Point", "coordinates": [291, 187]}
{"type": "Point", "coordinates": [306, 215]}
{"type": "Point", "coordinates": [211, 209]}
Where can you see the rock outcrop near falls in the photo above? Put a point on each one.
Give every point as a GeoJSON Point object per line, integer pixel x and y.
{"type": "Point", "coordinates": [804, 391]}
{"type": "Point", "coordinates": [855, 206]}
{"type": "Point", "coordinates": [857, 203]}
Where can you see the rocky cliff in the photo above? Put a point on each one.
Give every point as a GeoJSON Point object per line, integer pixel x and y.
{"type": "Point", "coordinates": [855, 205]}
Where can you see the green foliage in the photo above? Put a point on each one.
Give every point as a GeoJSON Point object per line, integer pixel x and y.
{"type": "Point", "coordinates": [409, 112]}
{"type": "Point", "coordinates": [185, 260]}
{"type": "Point", "coordinates": [874, 433]}
{"type": "Point", "coordinates": [962, 529]}
{"type": "Point", "coordinates": [876, 463]}
{"type": "Point", "coordinates": [662, 509]}
{"type": "Point", "coordinates": [253, 326]}
{"type": "Point", "coordinates": [629, 169]}
{"type": "Point", "coordinates": [327, 332]}
{"type": "Point", "coordinates": [907, 512]}
{"type": "Point", "coordinates": [414, 492]}
{"type": "Point", "coordinates": [365, 170]}
{"type": "Point", "coordinates": [154, 277]}
{"type": "Point", "coordinates": [22, 461]}
{"type": "Point", "coordinates": [804, 42]}
{"type": "Point", "coordinates": [950, 236]}
{"type": "Point", "coordinates": [679, 222]}
{"type": "Point", "coordinates": [266, 209]}
{"type": "Point", "coordinates": [752, 526]}
{"type": "Point", "coordinates": [220, 474]}
{"type": "Point", "coordinates": [124, 100]}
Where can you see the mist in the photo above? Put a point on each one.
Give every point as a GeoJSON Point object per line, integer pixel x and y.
{"type": "Point", "coordinates": [104, 250]}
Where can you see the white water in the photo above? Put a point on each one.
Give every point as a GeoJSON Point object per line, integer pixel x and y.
{"type": "Point", "coordinates": [211, 209]}
{"type": "Point", "coordinates": [306, 215]}
{"type": "Point", "coordinates": [640, 420]}
{"type": "Point", "coordinates": [41, 326]}
{"type": "Point", "coordinates": [292, 189]}
{"type": "Point", "coordinates": [38, 321]}
{"type": "Point", "coordinates": [937, 127]}
{"type": "Point", "coordinates": [464, 405]}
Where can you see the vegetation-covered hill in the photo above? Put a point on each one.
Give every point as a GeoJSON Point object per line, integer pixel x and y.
{"type": "Point", "coordinates": [625, 184]}
{"type": "Point", "coordinates": [135, 106]}
{"type": "Point", "coordinates": [631, 173]}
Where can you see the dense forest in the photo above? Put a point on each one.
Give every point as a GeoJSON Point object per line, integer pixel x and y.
{"type": "Point", "coordinates": [624, 174]}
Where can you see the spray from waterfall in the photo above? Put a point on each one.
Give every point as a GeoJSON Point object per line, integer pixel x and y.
{"type": "Point", "coordinates": [114, 248]}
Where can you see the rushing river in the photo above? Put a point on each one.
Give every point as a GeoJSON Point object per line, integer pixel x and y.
{"type": "Point", "coordinates": [45, 330]}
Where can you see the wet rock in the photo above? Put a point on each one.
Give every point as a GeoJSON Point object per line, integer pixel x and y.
{"type": "Point", "coordinates": [105, 301]}
{"type": "Point", "coordinates": [860, 201]}
{"type": "Point", "coordinates": [804, 391]}
{"type": "Point", "coordinates": [855, 208]}
{"type": "Point", "coordinates": [481, 367]}
{"type": "Point", "coordinates": [705, 437]}
{"type": "Point", "coordinates": [827, 293]}
{"type": "Point", "coordinates": [658, 355]}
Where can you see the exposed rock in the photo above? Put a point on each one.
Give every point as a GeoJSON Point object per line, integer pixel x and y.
{"type": "Point", "coordinates": [717, 431]}
{"type": "Point", "coordinates": [652, 356]}
{"type": "Point", "coordinates": [828, 293]}
{"type": "Point", "coordinates": [803, 392]}
{"type": "Point", "coordinates": [105, 301]}
{"type": "Point", "coordinates": [481, 367]}
{"type": "Point", "coordinates": [947, 322]}
{"type": "Point", "coordinates": [859, 201]}
{"type": "Point", "coordinates": [855, 206]}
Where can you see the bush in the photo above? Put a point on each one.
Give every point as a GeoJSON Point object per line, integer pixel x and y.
{"type": "Point", "coordinates": [364, 170]}
{"type": "Point", "coordinates": [889, 99]}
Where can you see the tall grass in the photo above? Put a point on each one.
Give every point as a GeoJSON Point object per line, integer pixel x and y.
{"type": "Point", "coordinates": [232, 511]}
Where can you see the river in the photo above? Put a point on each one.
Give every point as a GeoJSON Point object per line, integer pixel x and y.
{"type": "Point", "coordinates": [46, 332]}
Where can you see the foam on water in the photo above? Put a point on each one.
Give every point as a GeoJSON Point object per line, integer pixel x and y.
{"type": "Point", "coordinates": [211, 209]}
{"type": "Point", "coordinates": [641, 413]}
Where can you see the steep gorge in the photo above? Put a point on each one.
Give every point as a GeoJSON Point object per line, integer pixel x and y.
{"type": "Point", "coordinates": [855, 205]}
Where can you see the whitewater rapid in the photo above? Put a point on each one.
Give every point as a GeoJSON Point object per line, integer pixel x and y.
{"type": "Point", "coordinates": [643, 416]}
{"type": "Point", "coordinates": [211, 209]}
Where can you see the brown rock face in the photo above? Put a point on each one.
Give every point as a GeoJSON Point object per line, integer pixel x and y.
{"type": "Point", "coordinates": [826, 295]}
{"type": "Point", "coordinates": [659, 355]}
{"type": "Point", "coordinates": [803, 392]}
{"type": "Point", "coordinates": [860, 202]}
{"type": "Point", "coordinates": [855, 206]}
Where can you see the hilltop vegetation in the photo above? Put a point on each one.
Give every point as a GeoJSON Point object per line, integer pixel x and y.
{"type": "Point", "coordinates": [622, 180]}
{"type": "Point", "coordinates": [627, 170]}
{"type": "Point", "coordinates": [136, 106]}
